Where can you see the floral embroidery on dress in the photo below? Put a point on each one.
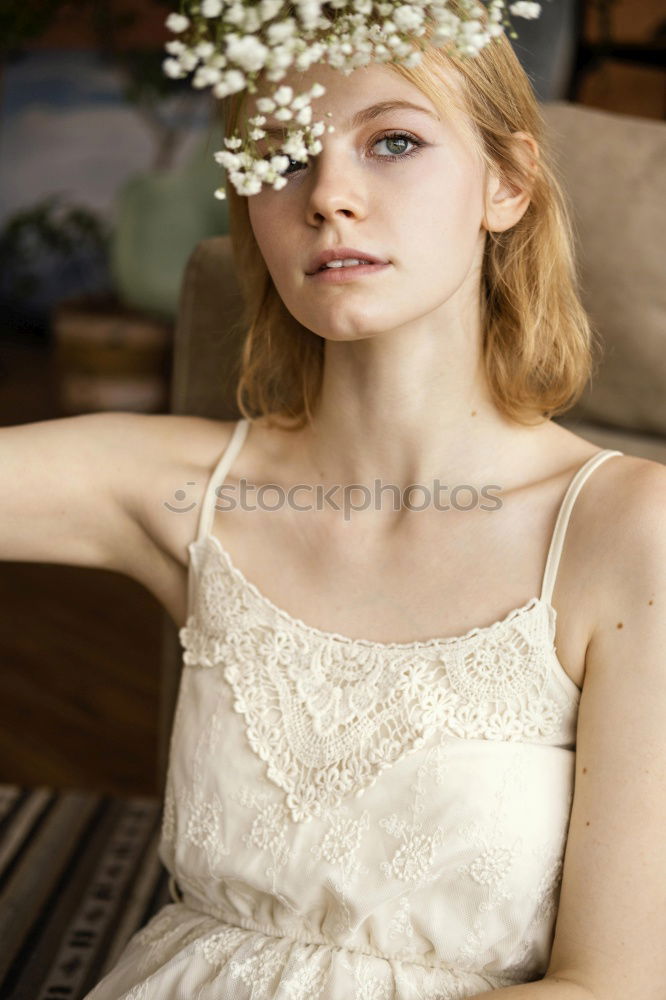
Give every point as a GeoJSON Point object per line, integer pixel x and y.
{"type": "Point", "coordinates": [414, 860]}
{"type": "Point", "coordinates": [306, 982]}
{"type": "Point", "coordinates": [217, 948]}
{"type": "Point", "coordinates": [204, 827]}
{"type": "Point", "coordinates": [339, 847]}
{"type": "Point", "coordinates": [367, 985]}
{"type": "Point", "coordinates": [500, 848]}
{"type": "Point", "coordinates": [269, 830]}
{"type": "Point", "coordinates": [260, 969]}
{"type": "Point", "coordinates": [401, 924]}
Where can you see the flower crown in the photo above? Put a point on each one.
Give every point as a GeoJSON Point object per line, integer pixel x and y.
{"type": "Point", "coordinates": [229, 44]}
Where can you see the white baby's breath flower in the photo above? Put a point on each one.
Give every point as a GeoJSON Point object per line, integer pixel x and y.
{"type": "Point", "coordinates": [234, 81]}
{"type": "Point", "coordinates": [230, 161]}
{"type": "Point", "coordinates": [175, 47]}
{"type": "Point", "coordinates": [304, 116]}
{"type": "Point", "coordinates": [188, 60]}
{"type": "Point", "coordinates": [257, 133]}
{"type": "Point", "coordinates": [249, 185]}
{"type": "Point", "coordinates": [211, 8]}
{"type": "Point", "coordinates": [262, 168]}
{"type": "Point", "coordinates": [279, 59]}
{"type": "Point", "coordinates": [204, 50]}
{"type": "Point", "coordinates": [233, 142]}
{"type": "Point", "coordinates": [282, 31]}
{"type": "Point", "coordinates": [407, 18]}
{"type": "Point", "coordinates": [527, 10]}
{"type": "Point", "coordinates": [269, 8]}
{"type": "Point", "coordinates": [279, 163]}
{"type": "Point", "coordinates": [235, 14]}
{"type": "Point", "coordinates": [177, 23]}
{"type": "Point", "coordinates": [220, 193]}
{"type": "Point", "coordinates": [469, 28]}
{"type": "Point", "coordinates": [265, 104]}
{"type": "Point", "coordinates": [206, 75]}
{"type": "Point", "coordinates": [283, 95]}
{"type": "Point", "coordinates": [309, 12]}
{"type": "Point", "coordinates": [295, 147]}
{"type": "Point", "coordinates": [284, 115]}
{"type": "Point", "coordinates": [279, 183]}
{"type": "Point", "coordinates": [247, 52]}
{"type": "Point", "coordinates": [173, 69]}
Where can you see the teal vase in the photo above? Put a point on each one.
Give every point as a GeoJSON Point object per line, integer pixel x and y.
{"type": "Point", "coordinates": [160, 218]}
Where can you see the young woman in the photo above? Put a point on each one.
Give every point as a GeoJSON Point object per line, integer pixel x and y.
{"type": "Point", "coordinates": [419, 747]}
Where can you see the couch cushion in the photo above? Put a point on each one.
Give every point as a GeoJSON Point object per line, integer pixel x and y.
{"type": "Point", "coordinates": [613, 168]}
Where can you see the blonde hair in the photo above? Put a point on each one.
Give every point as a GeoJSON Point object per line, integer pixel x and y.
{"type": "Point", "coordinates": [537, 339]}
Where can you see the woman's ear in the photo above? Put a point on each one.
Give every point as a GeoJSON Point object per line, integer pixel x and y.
{"type": "Point", "coordinates": [506, 203]}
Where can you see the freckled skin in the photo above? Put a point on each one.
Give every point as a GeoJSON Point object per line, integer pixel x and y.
{"type": "Point", "coordinates": [620, 625]}
{"type": "Point", "coordinates": [650, 602]}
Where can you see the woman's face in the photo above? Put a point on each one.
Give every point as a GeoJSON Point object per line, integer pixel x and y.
{"type": "Point", "coordinates": [402, 185]}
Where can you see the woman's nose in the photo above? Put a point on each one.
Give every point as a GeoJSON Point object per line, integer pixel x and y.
{"type": "Point", "coordinates": [335, 187]}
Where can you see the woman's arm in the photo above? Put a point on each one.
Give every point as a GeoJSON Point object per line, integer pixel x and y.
{"type": "Point", "coordinates": [64, 487]}
{"type": "Point", "coordinates": [93, 490]}
{"type": "Point", "coordinates": [610, 935]}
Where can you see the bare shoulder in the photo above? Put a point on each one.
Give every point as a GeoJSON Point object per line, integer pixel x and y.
{"type": "Point", "coordinates": [634, 520]}
{"type": "Point", "coordinates": [620, 533]}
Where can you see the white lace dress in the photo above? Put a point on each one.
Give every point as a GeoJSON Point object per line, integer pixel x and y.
{"type": "Point", "coordinates": [354, 820]}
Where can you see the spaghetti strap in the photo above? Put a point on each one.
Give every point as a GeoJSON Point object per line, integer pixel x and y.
{"type": "Point", "coordinates": [559, 532]}
{"type": "Point", "coordinates": [218, 475]}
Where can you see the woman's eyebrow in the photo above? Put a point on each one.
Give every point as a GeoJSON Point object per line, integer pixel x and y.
{"type": "Point", "coordinates": [367, 114]}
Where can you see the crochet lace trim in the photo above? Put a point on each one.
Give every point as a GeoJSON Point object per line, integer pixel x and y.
{"type": "Point", "coordinates": [328, 713]}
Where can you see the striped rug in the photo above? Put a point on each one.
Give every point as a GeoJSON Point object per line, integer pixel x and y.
{"type": "Point", "coordinates": [79, 874]}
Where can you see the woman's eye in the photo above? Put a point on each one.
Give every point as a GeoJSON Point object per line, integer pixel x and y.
{"type": "Point", "coordinates": [396, 140]}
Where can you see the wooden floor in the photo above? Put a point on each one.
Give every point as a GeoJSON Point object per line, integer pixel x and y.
{"type": "Point", "coordinates": [79, 648]}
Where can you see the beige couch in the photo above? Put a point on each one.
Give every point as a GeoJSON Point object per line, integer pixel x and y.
{"type": "Point", "coordinates": [613, 168]}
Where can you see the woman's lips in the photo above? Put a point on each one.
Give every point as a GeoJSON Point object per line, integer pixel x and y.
{"type": "Point", "coordinates": [341, 275]}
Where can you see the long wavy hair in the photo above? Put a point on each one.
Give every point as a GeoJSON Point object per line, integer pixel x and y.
{"type": "Point", "coordinates": [537, 343]}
